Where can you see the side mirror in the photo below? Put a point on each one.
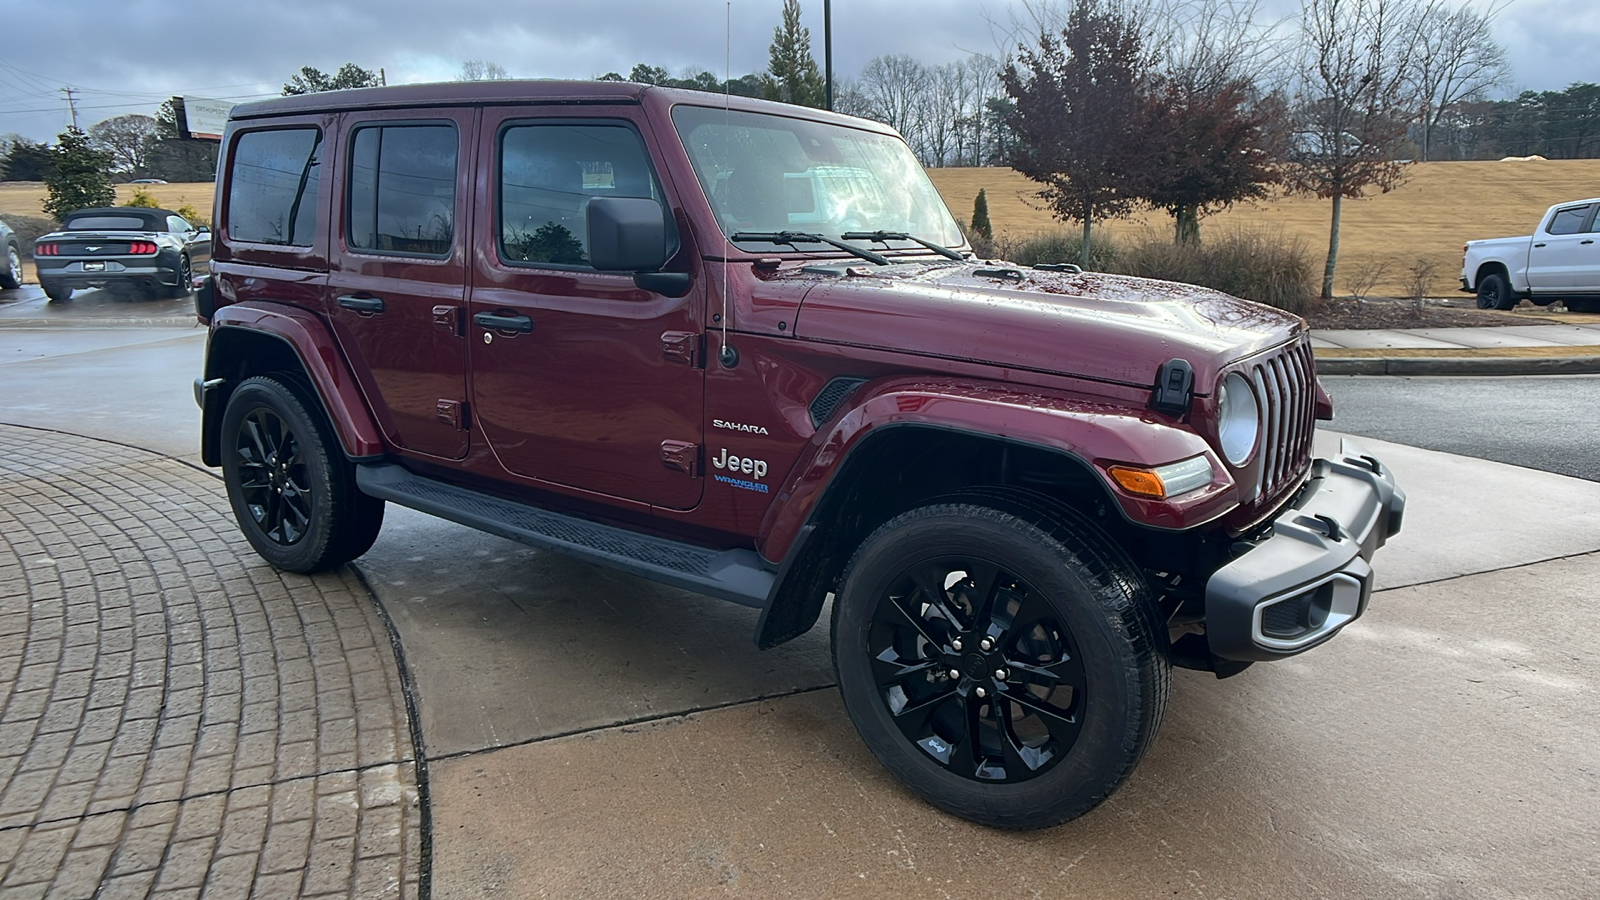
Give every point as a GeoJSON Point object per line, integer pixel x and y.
{"type": "Point", "coordinates": [627, 234]}
{"type": "Point", "coordinates": [202, 229]}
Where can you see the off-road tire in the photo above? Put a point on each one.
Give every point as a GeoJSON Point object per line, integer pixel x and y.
{"type": "Point", "coordinates": [292, 491]}
{"type": "Point", "coordinates": [1095, 597]}
{"type": "Point", "coordinates": [11, 272]}
{"type": "Point", "coordinates": [1494, 292]}
{"type": "Point", "coordinates": [57, 292]}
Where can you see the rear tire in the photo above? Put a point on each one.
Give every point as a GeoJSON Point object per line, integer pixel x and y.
{"type": "Point", "coordinates": [292, 491]}
{"type": "Point", "coordinates": [11, 274]}
{"type": "Point", "coordinates": [1494, 292]}
{"type": "Point", "coordinates": [1584, 305]}
{"type": "Point", "coordinates": [1027, 604]}
{"type": "Point", "coordinates": [58, 293]}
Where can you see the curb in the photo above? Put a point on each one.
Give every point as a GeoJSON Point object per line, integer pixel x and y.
{"type": "Point", "coordinates": [91, 322]}
{"type": "Point", "coordinates": [1456, 365]}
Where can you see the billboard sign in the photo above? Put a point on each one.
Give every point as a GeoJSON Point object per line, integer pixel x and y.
{"type": "Point", "coordinates": [206, 118]}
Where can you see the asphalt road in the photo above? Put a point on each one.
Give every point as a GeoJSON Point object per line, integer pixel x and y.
{"type": "Point", "coordinates": [1546, 423]}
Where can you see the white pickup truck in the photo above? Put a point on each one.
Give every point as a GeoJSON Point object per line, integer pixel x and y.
{"type": "Point", "coordinates": [1560, 261]}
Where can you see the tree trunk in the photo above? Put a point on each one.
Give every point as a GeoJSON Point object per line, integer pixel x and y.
{"type": "Point", "coordinates": [1187, 222]}
{"type": "Point", "coordinates": [1333, 250]}
{"type": "Point", "coordinates": [1083, 250]}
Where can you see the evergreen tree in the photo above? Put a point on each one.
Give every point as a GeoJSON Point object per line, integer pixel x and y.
{"type": "Point", "coordinates": [792, 73]}
{"type": "Point", "coordinates": [980, 216]}
{"type": "Point", "coordinates": [81, 177]}
{"type": "Point", "coordinates": [27, 161]}
{"type": "Point", "coordinates": [313, 81]}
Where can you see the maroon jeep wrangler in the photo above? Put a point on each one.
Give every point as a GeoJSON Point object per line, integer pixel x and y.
{"type": "Point", "coordinates": [742, 348]}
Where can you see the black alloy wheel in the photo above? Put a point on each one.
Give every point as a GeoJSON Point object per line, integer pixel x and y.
{"type": "Point", "coordinates": [290, 486]}
{"type": "Point", "coordinates": [11, 276]}
{"type": "Point", "coordinates": [1495, 293]}
{"type": "Point", "coordinates": [1001, 657]}
{"type": "Point", "coordinates": [977, 669]}
{"type": "Point", "coordinates": [185, 274]}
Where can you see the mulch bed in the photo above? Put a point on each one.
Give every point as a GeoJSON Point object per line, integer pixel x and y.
{"type": "Point", "coordinates": [1344, 313]}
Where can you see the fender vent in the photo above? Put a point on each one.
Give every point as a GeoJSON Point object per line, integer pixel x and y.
{"type": "Point", "coordinates": [832, 394]}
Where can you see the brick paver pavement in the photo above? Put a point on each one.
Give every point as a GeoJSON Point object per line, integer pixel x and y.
{"type": "Point", "coordinates": [177, 718]}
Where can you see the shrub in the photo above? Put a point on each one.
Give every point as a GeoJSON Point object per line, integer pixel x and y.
{"type": "Point", "coordinates": [980, 216]}
{"type": "Point", "coordinates": [1255, 265]}
{"type": "Point", "coordinates": [190, 214]}
{"type": "Point", "coordinates": [142, 199]}
{"type": "Point", "coordinates": [28, 229]}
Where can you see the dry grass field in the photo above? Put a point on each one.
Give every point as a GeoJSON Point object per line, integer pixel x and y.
{"type": "Point", "coordinates": [1441, 205]}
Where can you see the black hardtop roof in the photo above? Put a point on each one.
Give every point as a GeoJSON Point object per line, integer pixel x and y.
{"type": "Point", "coordinates": [539, 91]}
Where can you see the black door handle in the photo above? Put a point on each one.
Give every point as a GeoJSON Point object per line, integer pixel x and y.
{"type": "Point", "coordinates": [503, 323]}
{"type": "Point", "coordinates": [361, 304]}
{"type": "Point", "coordinates": [1538, 245]}
{"type": "Point", "coordinates": [1586, 242]}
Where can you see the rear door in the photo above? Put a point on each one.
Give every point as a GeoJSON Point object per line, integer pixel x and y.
{"type": "Point", "coordinates": [1559, 252]}
{"type": "Point", "coordinates": [580, 378]}
{"type": "Point", "coordinates": [397, 276]}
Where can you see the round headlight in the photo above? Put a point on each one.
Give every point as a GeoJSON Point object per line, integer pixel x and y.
{"type": "Point", "coordinates": [1238, 419]}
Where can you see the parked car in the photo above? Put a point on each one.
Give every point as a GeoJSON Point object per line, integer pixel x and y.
{"type": "Point", "coordinates": [129, 249]}
{"type": "Point", "coordinates": [148, 181]}
{"type": "Point", "coordinates": [742, 348]}
{"type": "Point", "coordinates": [1560, 261]}
{"type": "Point", "coordinates": [11, 272]}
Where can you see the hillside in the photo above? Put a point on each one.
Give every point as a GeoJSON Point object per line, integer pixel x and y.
{"type": "Point", "coordinates": [1441, 205]}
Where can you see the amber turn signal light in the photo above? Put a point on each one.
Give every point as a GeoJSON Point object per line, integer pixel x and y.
{"type": "Point", "coordinates": [1140, 482]}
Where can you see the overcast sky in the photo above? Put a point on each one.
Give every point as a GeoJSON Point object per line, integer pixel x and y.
{"type": "Point", "coordinates": [128, 56]}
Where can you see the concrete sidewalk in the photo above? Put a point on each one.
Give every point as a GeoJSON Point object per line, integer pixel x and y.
{"type": "Point", "coordinates": [1566, 348]}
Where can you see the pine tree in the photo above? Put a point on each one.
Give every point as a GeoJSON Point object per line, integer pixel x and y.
{"type": "Point", "coordinates": [81, 178]}
{"type": "Point", "coordinates": [980, 216]}
{"type": "Point", "coordinates": [792, 73]}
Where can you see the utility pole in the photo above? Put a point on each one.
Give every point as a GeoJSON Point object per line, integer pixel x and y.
{"type": "Point", "coordinates": [827, 54]}
{"type": "Point", "coordinates": [383, 80]}
{"type": "Point", "coordinates": [72, 105]}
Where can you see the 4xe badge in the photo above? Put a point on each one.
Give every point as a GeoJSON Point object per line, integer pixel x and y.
{"type": "Point", "coordinates": [741, 465]}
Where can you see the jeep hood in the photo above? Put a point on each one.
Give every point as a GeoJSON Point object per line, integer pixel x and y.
{"type": "Point", "coordinates": [1110, 328]}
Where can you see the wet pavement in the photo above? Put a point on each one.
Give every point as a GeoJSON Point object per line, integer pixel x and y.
{"type": "Point", "coordinates": [590, 734]}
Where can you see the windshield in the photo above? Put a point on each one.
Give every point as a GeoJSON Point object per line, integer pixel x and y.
{"type": "Point", "coordinates": [765, 173]}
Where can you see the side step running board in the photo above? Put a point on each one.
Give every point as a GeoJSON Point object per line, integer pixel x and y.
{"type": "Point", "coordinates": [735, 575]}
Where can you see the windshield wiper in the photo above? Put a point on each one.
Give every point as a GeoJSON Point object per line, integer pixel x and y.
{"type": "Point", "coordinates": [886, 236]}
{"type": "Point", "coordinates": [801, 237]}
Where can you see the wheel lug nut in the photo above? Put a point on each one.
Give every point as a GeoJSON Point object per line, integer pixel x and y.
{"type": "Point", "coordinates": [955, 644]}
{"type": "Point", "coordinates": [980, 692]}
{"type": "Point", "coordinates": [955, 674]}
{"type": "Point", "coordinates": [986, 644]}
{"type": "Point", "coordinates": [1000, 674]}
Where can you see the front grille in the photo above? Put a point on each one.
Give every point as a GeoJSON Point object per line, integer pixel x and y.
{"type": "Point", "coordinates": [1286, 388]}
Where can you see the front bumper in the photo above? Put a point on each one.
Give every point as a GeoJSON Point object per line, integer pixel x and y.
{"type": "Point", "coordinates": [1311, 576]}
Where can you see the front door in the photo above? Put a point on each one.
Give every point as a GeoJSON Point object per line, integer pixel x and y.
{"type": "Point", "coordinates": [397, 278]}
{"type": "Point", "coordinates": [580, 378]}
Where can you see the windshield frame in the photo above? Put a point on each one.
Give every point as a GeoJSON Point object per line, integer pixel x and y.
{"type": "Point", "coordinates": [850, 167]}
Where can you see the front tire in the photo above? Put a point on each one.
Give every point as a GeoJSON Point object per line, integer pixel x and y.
{"type": "Point", "coordinates": [1001, 657]}
{"type": "Point", "coordinates": [291, 489]}
{"type": "Point", "coordinates": [11, 275]}
{"type": "Point", "coordinates": [1494, 292]}
{"type": "Point", "coordinates": [185, 273]}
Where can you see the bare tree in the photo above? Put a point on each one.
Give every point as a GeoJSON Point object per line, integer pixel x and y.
{"type": "Point", "coordinates": [1352, 104]}
{"type": "Point", "coordinates": [891, 88]}
{"type": "Point", "coordinates": [127, 138]}
{"type": "Point", "coordinates": [482, 70]}
{"type": "Point", "coordinates": [1457, 60]}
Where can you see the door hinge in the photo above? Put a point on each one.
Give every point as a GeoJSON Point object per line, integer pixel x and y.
{"type": "Point", "coordinates": [448, 319]}
{"type": "Point", "coordinates": [683, 346]}
{"type": "Point", "coordinates": [452, 413]}
{"type": "Point", "coordinates": [681, 456]}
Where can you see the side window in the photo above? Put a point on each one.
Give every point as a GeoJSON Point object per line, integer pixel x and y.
{"type": "Point", "coordinates": [402, 196]}
{"type": "Point", "coordinates": [176, 225]}
{"type": "Point", "coordinates": [1568, 221]}
{"type": "Point", "coordinates": [548, 174]}
{"type": "Point", "coordinates": [272, 194]}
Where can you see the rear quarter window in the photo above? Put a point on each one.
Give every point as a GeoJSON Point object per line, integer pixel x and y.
{"type": "Point", "coordinates": [273, 187]}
